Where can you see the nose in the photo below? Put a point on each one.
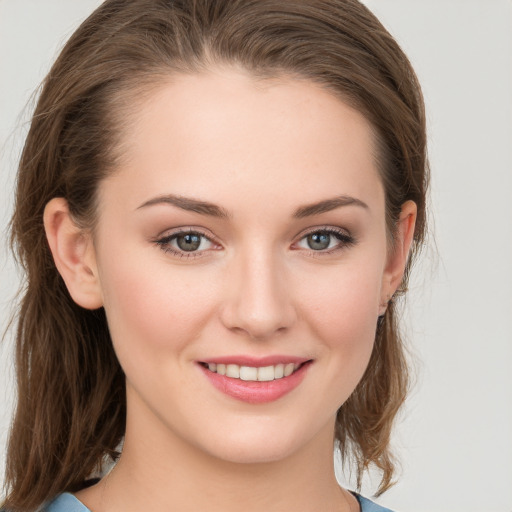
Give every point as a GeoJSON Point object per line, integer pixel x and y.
{"type": "Point", "coordinates": [259, 299]}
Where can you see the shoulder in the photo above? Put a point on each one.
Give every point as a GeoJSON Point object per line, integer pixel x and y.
{"type": "Point", "coordinates": [68, 503]}
{"type": "Point", "coordinates": [65, 503]}
{"type": "Point", "coordinates": [369, 506]}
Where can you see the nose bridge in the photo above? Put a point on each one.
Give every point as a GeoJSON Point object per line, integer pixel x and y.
{"type": "Point", "coordinates": [259, 303]}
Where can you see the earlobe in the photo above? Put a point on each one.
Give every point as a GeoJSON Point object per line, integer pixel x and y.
{"type": "Point", "coordinates": [73, 253]}
{"type": "Point", "coordinates": [398, 256]}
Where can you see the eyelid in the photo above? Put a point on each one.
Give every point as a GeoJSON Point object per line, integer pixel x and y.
{"type": "Point", "coordinates": [163, 241]}
{"type": "Point", "coordinates": [346, 239]}
{"type": "Point", "coordinates": [185, 229]}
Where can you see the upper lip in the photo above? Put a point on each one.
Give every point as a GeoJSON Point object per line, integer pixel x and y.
{"type": "Point", "coordinates": [256, 362]}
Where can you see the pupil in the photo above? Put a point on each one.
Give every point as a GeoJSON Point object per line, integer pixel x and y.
{"type": "Point", "coordinates": [189, 242]}
{"type": "Point", "coordinates": [319, 241]}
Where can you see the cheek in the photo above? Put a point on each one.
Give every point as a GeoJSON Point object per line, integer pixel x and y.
{"type": "Point", "coordinates": [345, 299]}
{"type": "Point", "coordinates": [342, 309]}
{"type": "Point", "coordinates": [152, 309]}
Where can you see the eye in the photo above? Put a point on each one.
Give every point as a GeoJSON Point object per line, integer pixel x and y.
{"type": "Point", "coordinates": [185, 243]}
{"type": "Point", "coordinates": [190, 241]}
{"type": "Point", "coordinates": [326, 240]}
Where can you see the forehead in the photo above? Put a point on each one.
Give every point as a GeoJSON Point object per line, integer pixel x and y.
{"type": "Point", "coordinates": [220, 133]}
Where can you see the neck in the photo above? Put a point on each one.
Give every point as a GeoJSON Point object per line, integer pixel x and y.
{"type": "Point", "coordinates": [160, 471]}
{"type": "Point", "coordinates": [181, 480]}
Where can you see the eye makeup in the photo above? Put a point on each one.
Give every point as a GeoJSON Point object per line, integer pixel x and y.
{"type": "Point", "coordinates": [325, 240]}
{"type": "Point", "coordinates": [193, 243]}
{"type": "Point", "coordinates": [187, 243]}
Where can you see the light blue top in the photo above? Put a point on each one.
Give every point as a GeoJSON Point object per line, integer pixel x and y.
{"type": "Point", "coordinates": [68, 503]}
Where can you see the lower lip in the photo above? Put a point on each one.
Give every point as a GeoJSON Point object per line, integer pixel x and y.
{"type": "Point", "coordinates": [256, 392]}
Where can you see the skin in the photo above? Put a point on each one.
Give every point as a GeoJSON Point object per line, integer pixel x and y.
{"type": "Point", "coordinates": [259, 150]}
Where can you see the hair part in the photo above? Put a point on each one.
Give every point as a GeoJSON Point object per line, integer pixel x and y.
{"type": "Point", "coordinates": [70, 412]}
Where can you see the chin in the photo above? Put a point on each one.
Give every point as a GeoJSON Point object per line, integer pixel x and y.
{"type": "Point", "coordinates": [253, 453]}
{"type": "Point", "coordinates": [259, 446]}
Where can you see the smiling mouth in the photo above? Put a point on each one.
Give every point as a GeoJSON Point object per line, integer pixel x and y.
{"type": "Point", "coordinates": [255, 374]}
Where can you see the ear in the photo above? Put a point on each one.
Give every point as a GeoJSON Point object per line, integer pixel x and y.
{"type": "Point", "coordinates": [73, 253]}
{"type": "Point", "coordinates": [398, 254]}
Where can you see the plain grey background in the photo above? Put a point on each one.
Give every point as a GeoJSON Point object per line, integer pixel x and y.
{"type": "Point", "coordinates": [454, 437]}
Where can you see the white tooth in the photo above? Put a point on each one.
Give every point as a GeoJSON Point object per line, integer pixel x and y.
{"type": "Point", "coordinates": [288, 369]}
{"type": "Point", "coordinates": [233, 371]}
{"type": "Point", "coordinates": [279, 371]}
{"type": "Point", "coordinates": [248, 373]}
{"type": "Point", "coordinates": [266, 373]}
{"type": "Point", "coordinates": [212, 367]}
{"type": "Point", "coordinates": [221, 369]}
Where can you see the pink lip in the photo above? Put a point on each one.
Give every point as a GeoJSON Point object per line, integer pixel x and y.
{"type": "Point", "coordinates": [256, 362]}
{"type": "Point", "coordinates": [255, 392]}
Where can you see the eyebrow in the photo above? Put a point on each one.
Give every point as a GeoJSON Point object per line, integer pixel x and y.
{"type": "Point", "coordinates": [213, 210]}
{"type": "Point", "coordinates": [188, 204]}
{"type": "Point", "coordinates": [328, 205]}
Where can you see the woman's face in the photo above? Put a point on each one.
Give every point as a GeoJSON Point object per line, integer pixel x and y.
{"type": "Point", "coordinates": [244, 229]}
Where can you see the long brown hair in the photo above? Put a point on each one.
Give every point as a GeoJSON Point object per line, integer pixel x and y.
{"type": "Point", "coordinates": [70, 413]}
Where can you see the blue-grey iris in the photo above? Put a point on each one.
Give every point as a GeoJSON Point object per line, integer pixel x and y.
{"type": "Point", "coordinates": [319, 241]}
{"type": "Point", "coordinates": [188, 242]}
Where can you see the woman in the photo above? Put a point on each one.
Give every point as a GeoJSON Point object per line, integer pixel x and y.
{"type": "Point", "coordinates": [217, 204]}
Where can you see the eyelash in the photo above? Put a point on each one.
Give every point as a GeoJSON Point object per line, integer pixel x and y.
{"type": "Point", "coordinates": [345, 240]}
{"type": "Point", "coordinates": [164, 243]}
